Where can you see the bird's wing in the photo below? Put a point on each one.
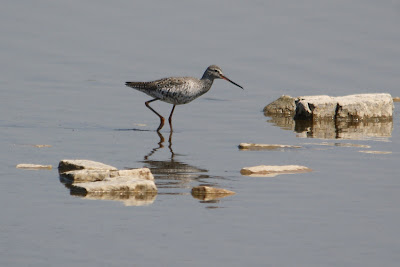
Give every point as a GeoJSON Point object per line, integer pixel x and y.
{"type": "Point", "coordinates": [166, 83]}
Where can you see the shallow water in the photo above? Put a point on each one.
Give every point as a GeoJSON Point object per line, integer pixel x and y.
{"type": "Point", "coordinates": [63, 68]}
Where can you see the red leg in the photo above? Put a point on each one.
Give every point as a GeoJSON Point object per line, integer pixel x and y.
{"type": "Point", "coordinates": [170, 117]}
{"type": "Point", "coordinates": [161, 117]}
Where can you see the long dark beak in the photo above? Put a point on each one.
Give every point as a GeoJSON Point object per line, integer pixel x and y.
{"type": "Point", "coordinates": [225, 78]}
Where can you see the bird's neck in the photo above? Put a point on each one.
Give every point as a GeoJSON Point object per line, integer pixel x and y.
{"type": "Point", "coordinates": [207, 81]}
{"type": "Point", "coordinates": [206, 85]}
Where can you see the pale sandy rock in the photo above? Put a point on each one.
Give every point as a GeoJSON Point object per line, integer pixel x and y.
{"type": "Point", "coordinates": [375, 152]}
{"type": "Point", "coordinates": [42, 146]}
{"type": "Point", "coordinates": [251, 146]}
{"type": "Point", "coordinates": [33, 166]}
{"type": "Point", "coordinates": [78, 176]}
{"type": "Point", "coordinates": [79, 164]}
{"type": "Point", "coordinates": [120, 184]}
{"type": "Point", "coordinates": [284, 105]}
{"type": "Point", "coordinates": [273, 170]}
{"type": "Point", "coordinates": [208, 193]}
{"type": "Point", "coordinates": [351, 107]}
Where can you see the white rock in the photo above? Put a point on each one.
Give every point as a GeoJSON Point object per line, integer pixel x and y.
{"type": "Point", "coordinates": [78, 164]}
{"type": "Point", "coordinates": [251, 146]}
{"type": "Point", "coordinates": [351, 107]}
{"type": "Point", "coordinates": [273, 170]}
{"type": "Point", "coordinates": [120, 184]}
{"type": "Point", "coordinates": [78, 176]}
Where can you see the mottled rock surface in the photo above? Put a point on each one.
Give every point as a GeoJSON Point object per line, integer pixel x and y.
{"type": "Point", "coordinates": [284, 106]}
{"type": "Point", "coordinates": [356, 107]}
{"type": "Point", "coordinates": [79, 164]}
{"type": "Point", "coordinates": [120, 184]}
{"type": "Point", "coordinates": [84, 175]}
{"type": "Point", "coordinates": [352, 107]}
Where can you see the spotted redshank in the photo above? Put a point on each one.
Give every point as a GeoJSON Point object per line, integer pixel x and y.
{"type": "Point", "coordinates": [178, 90]}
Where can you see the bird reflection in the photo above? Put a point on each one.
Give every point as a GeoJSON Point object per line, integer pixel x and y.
{"type": "Point", "coordinates": [160, 145]}
{"type": "Point", "coordinates": [172, 173]}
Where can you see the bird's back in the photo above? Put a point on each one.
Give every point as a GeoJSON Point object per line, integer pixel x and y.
{"type": "Point", "coordinates": [174, 90]}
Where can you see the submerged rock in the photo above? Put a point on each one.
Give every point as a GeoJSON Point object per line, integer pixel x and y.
{"type": "Point", "coordinates": [375, 152]}
{"type": "Point", "coordinates": [33, 166]}
{"type": "Point", "coordinates": [79, 164]}
{"type": "Point", "coordinates": [251, 146]}
{"type": "Point", "coordinates": [208, 193]}
{"type": "Point", "coordinates": [271, 170]}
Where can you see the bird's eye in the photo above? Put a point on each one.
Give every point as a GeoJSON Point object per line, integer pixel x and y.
{"type": "Point", "coordinates": [216, 70]}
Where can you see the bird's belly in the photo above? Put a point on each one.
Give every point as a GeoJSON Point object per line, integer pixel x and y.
{"type": "Point", "coordinates": [176, 97]}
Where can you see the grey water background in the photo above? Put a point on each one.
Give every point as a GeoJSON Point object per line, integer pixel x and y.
{"type": "Point", "coordinates": [63, 65]}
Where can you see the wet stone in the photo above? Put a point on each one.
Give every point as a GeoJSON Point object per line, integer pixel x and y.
{"type": "Point", "coordinates": [208, 193]}
{"type": "Point", "coordinates": [273, 170]}
{"type": "Point", "coordinates": [251, 146]}
{"type": "Point", "coordinates": [30, 166]}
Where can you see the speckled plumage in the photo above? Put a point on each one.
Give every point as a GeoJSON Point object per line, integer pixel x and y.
{"type": "Point", "coordinates": [179, 90]}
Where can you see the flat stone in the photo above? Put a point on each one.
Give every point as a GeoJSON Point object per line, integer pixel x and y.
{"type": "Point", "coordinates": [41, 146]}
{"type": "Point", "coordinates": [271, 170]}
{"type": "Point", "coordinates": [352, 107]}
{"type": "Point", "coordinates": [251, 146]}
{"type": "Point", "coordinates": [338, 144]}
{"type": "Point", "coordinates": [120, 184]}
{"type": "Point", "coordinates": [79, 164]}
{"type": "Point", "coordinates": [375, 152]}
{"type": "Point", "coordinates": [208, 193]}
{"type": "Point", "coordinates": [33, 166]}
{"type": "Point", "coordinates": [85, 175]}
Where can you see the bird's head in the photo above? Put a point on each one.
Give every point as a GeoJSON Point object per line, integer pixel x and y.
{"type": "Point", "coordinates": [215, 72]}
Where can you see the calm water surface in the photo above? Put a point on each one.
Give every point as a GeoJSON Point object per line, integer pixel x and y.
{"type": "Point", "coordinates": [63, 68]}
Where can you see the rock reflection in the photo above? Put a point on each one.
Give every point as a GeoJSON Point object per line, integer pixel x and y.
{"type": "Point", "coordinates": [331, 129]}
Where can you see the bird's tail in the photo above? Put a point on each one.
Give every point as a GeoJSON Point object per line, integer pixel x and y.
{"type": "Point", "coordinates": [137, 85]}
